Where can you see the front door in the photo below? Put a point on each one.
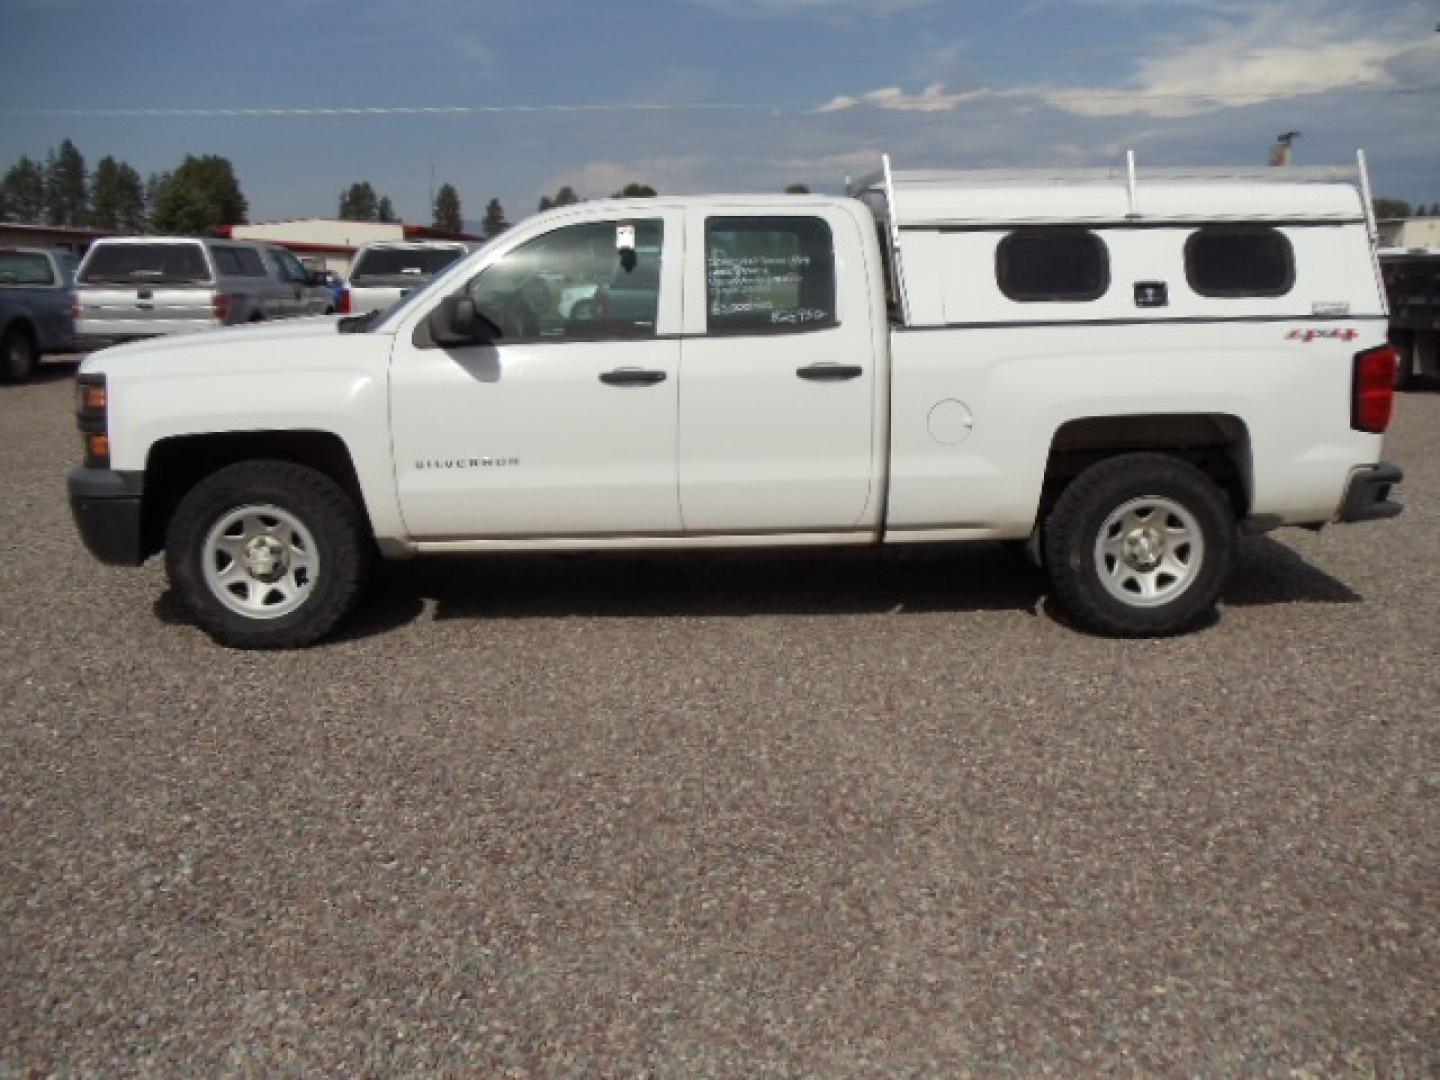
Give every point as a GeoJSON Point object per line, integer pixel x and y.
{"type": "Point", "coordinates": [565, 427]}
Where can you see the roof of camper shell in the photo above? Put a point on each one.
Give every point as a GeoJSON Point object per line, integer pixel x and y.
{"type": "Point", "coordinates": [1093, 196]}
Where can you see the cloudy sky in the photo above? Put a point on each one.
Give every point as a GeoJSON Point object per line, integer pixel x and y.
{"type": "Point", "coordinates": [710, 95]}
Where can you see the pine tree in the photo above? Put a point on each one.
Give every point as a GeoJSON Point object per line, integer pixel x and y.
{"type": "Point", "coordinates": [564, 197]}
{"type": "Point", "coordinates": [384, 211]}
{"type": "Point", "coordinates": [633, 190]}
{"type": "Point", "coordinates": [24, 187]}
{"type": "Point", "coordinates": [117, 197]}
{"type": "Point", "coordinates": [447, 209]}
{"type": "Point", "coordinates": [797, 189]}
{"type": "Point", "coordinates": [359, 203]}
{"type": "Point", "coordinates": [67, 197]}
{"type": "Point", "coordinates": [495, 222]}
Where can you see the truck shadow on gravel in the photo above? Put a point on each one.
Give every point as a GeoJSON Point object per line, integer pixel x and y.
{"type": "Point", "coordinates": [921, 580]}
{"type": "Point", "coordinates": [50, 370]}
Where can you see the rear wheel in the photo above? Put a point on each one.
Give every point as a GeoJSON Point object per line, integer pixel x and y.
{"type": "Point", "coordinates": [18, 355]}
{"type": "Point", "coordinates": [267, 554]}
{"type": "Point", "coordinates": [1139, 546]}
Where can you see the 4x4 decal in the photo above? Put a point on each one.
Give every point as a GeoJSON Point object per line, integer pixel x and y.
{"type": "Point", "coordinates": [1346, 333]}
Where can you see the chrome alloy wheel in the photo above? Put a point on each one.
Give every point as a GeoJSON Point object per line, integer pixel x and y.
{"type": "Point", "coordinates": [1149, 551]}
{"type": "Point", "coordinates": [260, 561]}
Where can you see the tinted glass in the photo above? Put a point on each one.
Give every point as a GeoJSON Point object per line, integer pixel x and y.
{"type": "Point", "coordinates": [25, 268]}
{"type": "Point", "coordinates": [226, 261]}
{"type": "Point", "coordinates": [401, 266]}
{"type": "Point", "coordinates": [291, 267]}
{"type": "Point", "coordinates": [769, 275]}
{"type": "Point", "coordinates": [575, 283]}
{"type": "Point", "coordinates": [250, 264]}
{"type": "Point", "coordinates": [145, 264]}
{"type": "Point", "coordinates": [1239, 260]}
{"type": "Point", "coordinates": [1041, 265]}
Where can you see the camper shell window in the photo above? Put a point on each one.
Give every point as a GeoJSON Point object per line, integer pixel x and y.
{"type": "Point", "coordinates": [1046, 265]}
{"type": "Point", "coordinates": [1239, 260]}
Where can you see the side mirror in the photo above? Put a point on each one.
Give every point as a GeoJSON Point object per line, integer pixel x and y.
{"type": "Point", "coordinates": [457, 321]}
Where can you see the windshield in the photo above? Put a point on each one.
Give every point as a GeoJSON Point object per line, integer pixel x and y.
{"type": "Point", "coordinates": [145, 264]}
{"type": "Point", "coordinates": [402, 264]}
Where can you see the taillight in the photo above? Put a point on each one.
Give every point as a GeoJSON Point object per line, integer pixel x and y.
{"type": "Point", "coordinates": [1372, 394]}
{"type": "Point", "coordinates": [92, 414]}
{"type": "Point", "coordinates": [344, 305]}
{"type": "Point", "coordinates": [221, 306]}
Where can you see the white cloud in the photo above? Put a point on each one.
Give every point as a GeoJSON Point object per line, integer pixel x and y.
{"type": "Point", "coordinates": [1284, 51]}
{"type": "Point", "coordinates": [933, 98]}
{"type": "Point", "coordinates": [1243, 55]}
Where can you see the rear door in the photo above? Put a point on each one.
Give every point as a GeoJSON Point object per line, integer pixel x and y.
{"type": "Point", "coordinates": [778, 375]}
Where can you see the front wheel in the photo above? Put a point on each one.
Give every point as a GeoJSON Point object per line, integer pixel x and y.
{"type": "Point", "coordinates": [266, 554]}
{"type": "Point", "coordinates": [1139, 546]}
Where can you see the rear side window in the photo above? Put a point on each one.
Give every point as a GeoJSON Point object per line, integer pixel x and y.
{"type": "Point", "coordinates": [25, 268]}
{"type": "Point", "coordinates": [769, 275]}
{"type": "Point", "coordinates": [145, 264]}
{"type": "Point", "coordinates": [226, 260]}
{"type": "Point", "coordinates": [1044, 265]}
{"type": "Point", "coordinates": [1239, 260]}
{"type": "Point", "coordinates": [250, 264]}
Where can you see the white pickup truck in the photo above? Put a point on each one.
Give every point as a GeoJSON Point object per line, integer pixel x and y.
{"type": "Point", "coordinates": [1122, 370]}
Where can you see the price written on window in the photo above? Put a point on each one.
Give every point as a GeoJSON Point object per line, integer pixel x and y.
{"type": "Point", "coordinates": [756, 285]}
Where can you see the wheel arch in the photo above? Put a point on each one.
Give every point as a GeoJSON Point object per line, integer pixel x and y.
{"type": "Point", "coordinates": [1216, 443]}
{"type": "Point", "coordinates": [176, 464]}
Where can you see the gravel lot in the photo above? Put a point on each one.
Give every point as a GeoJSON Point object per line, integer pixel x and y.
{"type": "Point", "coordinates": [833, 814]}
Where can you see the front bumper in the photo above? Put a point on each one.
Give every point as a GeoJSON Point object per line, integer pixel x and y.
{"type": "Point", "coordinates": [106, 507]}
{"type": "Point", "coordinates": [1367, 496]}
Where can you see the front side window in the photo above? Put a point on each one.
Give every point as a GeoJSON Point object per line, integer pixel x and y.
{"type": "Point", "coordinates": [1239, 260]}
{"type": "Point", "coordinates": [769, 275]}
{"type": "Point", "coordinates": [290, 268]}
{"type": "Point", "coordinates": [1045, 265]}
{"type": "Point", "coordinates": [25, 268]}
{"type": "Point", "coordinates": [596, 281]}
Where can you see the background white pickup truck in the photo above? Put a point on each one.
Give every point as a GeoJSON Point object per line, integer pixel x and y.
{"type": "Point", "coordinates": [383, 272]}
{"type": "Point", "coordinates": [1119, 372]}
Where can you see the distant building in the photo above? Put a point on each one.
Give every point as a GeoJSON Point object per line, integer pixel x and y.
{"type": "Point", "coordinates": [1415, 232]}
{"type": "Point", "coordinates": [328, 244]}
{"type": "Point", "coordinates": [51, 236]}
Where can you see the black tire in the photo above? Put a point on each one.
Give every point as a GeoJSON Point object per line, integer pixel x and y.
{"type": "Point", "coordinates": [1074, 556]}
{"type": "Point", "coordinates": [310, 498]}
{"type": "Point", "coordinates": [18, 355]}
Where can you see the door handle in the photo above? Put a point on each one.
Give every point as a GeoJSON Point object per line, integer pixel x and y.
{"type": "Point", "coordinates": [830, 372]}
{"type": "Point", "coordinates": [632, 376]}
